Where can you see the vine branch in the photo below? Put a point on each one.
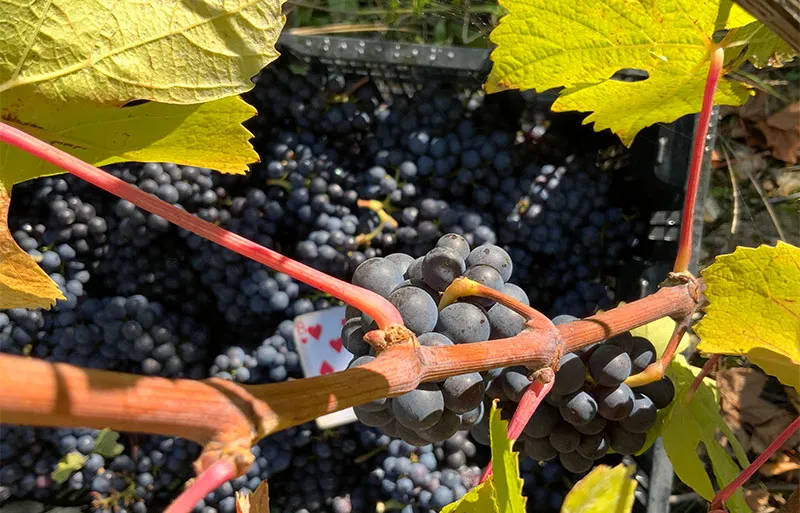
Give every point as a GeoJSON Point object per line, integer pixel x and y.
{"type": "Point", "coordinates": [219, 413]}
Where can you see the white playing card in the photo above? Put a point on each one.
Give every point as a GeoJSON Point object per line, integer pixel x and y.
{"type": "Point", "coordinates": [318, 338]}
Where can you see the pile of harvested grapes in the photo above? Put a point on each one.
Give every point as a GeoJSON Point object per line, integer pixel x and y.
{"type": "Point", "coordinates": [459, 188]}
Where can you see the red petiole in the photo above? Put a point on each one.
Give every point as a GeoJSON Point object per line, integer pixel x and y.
{"type": "Point", "coordinates": [531, 399]}
{"type": "Point", "coordinates": [374, 305]}
{"type": "Point", "coordinates": [211, 479]}
{"type": "Point", "coordinates": [747, 473]}
{"type": "Point", "coordinates": [695, 168]}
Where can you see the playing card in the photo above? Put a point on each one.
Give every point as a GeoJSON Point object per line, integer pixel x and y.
{"type": "Point", "coordinates": [318, 337]}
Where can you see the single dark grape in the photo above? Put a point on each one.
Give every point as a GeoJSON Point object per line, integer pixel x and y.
{"type": "Point", "coordinates": [463, 323]}
{"type": "Point", "coordinates": [441, 266]}
{"type": "Point", "coordinates": [661, 392]}
{"type": "Point", "coordinates": [421, 408]}
{"type": "Point", "coordinates": [643, 416]}
{"type": "Point", "coordinates": [594, 446]}
{"type": "Point", "coordinates": [542, 422]}
{"type": "Point", "coordinates": [463, 393]}
{"type": "Point", "coordinates": [625, 442]}
{"type": "Point", "coordinates": [564, 437]}
{"type": "Point", "coordinates": [575, 463]}
{"type": "Point", "coordinates": [455, 242]}
{"type": "Point", "coordinates": [578, 408]}
{"type": "Point", "coordinates": [614, 403]}
{"type": "Point", "coordinates": [570, 375]}
{"type": "Point", "coordinates": [609, 365]}
{"type": "Point", "coordinates": [539, 449]}
{"type": "Point", "coordinates": [378, 275]}
{"type": "Point", "coordinates": [642, 354]}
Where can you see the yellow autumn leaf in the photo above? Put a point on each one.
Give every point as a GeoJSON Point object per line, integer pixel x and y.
{"type": "Point", "coordinates": [22, 282]}
{"type": "Point", "coordinates": [112, 52]}
{"type": "Point", "coordinates": [601, 490]}
{"type": "Point", "coordinates": [204, 135]}
{"type": "Point", "coordinates": [754, 308]}
{"type": "Point", "coordinates": [67, 68]}
{"type": "Point", "coordinates": [544, 44]}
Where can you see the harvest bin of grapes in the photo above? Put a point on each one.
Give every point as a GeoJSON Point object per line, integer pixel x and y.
{"type": "Point", "coordinates": [467, 234]}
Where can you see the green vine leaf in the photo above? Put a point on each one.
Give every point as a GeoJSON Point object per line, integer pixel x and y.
{"type": "Point", "coordinates": [759, 45]}
{"type": "Point", "coordinates": [106, 444]}
{"type": "Point", "coordinates": [693, 425]}
{"type": "Point", "coordinates": [502, 491]}
{"type": "Point", "coordinates": [601, 490]}
{"type": "Point", "coordinates": [111, 53]}
{"type": "Point", "coordinates": [70, 463]}
{"type": "Point", "coordinates": [544, 44]}
{"type": "Point", "coordinates": [754, 308]}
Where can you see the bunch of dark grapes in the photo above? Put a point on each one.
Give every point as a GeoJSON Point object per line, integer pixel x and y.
{"type": "Point", "coordinates": [415, 478]}
{"type": "Point", "coordinates": [145, 253]}
{"type": "Point", "coordinates": [274, 359]}
{"type": "Point", "coordinates": [328, 471]}
{"type": "Point", "coordinates": [590, 409]}
{"type": "Point", "coordinates": [434, 411]}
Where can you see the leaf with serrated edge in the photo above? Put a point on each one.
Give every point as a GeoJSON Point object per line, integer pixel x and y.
{"type": "Point", "coordinates": [505, 466]}
{"type": "Point", "coordinates": [204, 135]}
{"type": "Point", "coordinates": [696, 424]}
{"type": "Point", "coordinates": [759, 45]}
{"type": "Point", "coordinates": [111, 53]}
{"type": "Point", "coordinates": [106, 444]}
{"type": "Point", "coordinates": [543, 44]}
{"type": "Point", "coordinates": [256, 502]}
{"type": "Point", "coordinates": [754, 308]}
{"type": "Point", "coordinates": [502, 491]}
{"type": "Point", "coordinates": [70, 463]}
{"type": "Point", "coordinates": [23, 284]}
{"type": "Point", "coordinates": [480, 499]}
{"type": "Point", "coordinates": [602, 490]}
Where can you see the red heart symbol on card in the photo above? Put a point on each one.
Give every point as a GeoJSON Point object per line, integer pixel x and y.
{"type": "Point", "coordinates": [315, 331]}
{"type": "Point", "coordinates": [336, 344]}
{"type": "Point", "coordinates": [304, 340]}
{"type": "Point", "coordinates": [343, 319]}
{"type": "Point", "coordinates": [325, 368]}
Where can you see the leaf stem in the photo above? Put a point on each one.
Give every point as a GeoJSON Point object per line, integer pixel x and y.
{"type": "Point", "coordinates": [696, 166]}
{"type": "Point", "coordinates": [208, 481]}
{"type": "Point", "coordinates": [531, 399]}
{"type": "Point", "coordinates": [656, 370]}
{"type": "Point", "coordinates": [377, 307]}
{"type": "Point", "coordinates": [747, 473]}
{"type": "Point", "coordinates": [705, 371]}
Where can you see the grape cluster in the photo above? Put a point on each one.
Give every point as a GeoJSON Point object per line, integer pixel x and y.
{"type": "Point", "coordinates": [590, 410]}
{"type": "Point", "coordinates": [434, 411]}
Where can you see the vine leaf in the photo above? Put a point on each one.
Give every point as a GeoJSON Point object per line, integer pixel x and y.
{"type": "Point", "coordinates": [256, 502]}
{"type": "Point", "coordinates": [71, 462]}
{"type": "Point", "coordinates": [68, 69]}
{"type": "Point", "coordinates": [754, 308]}
{"type": "Point", "coordinates": [544, 44]}
{"type": "Point", "coordinates": [601, 490]}
{"type": "Point", "coordinates": [502, 491]}
{"type": "Point", "coordinates": [106, 444]}
{"type": "Point", "coordinates": [658, 333]}
{"type": "Point", "coordinates": [22, 282]}
{"type": "Point", "coordinates": [204, 135]}
{"type": "Point", "coordinates": [169, 51]}
{"type": "Point", "coordinates": [759, 45]}
{"type": "Point", "coordinates": [693, 425]}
